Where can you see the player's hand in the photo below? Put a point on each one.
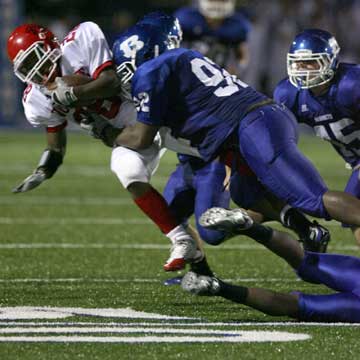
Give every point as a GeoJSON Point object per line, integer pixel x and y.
{"type": "Point", "coordinates": [94, 125]}
{"type": "Point", "coordinates": [63, 94]}
{"type": "Point", "coordinates": [31, 182]}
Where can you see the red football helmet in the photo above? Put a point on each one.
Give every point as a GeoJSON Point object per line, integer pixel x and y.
{"type": "Point", "coordinates": [34, 52]}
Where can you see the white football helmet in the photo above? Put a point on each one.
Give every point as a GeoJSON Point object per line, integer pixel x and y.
{"type": "Point", "coordinates": [217, 9]}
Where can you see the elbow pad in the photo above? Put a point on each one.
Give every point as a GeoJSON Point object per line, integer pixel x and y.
{"type": "Point", "coordinates": [50, 161]}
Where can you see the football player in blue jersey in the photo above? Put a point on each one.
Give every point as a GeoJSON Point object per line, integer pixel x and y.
{"type": "Point", "coordinates": [338, 272]}
{"type": "Point", "coordinates": [324, 94]}
{"type": "Point", "coordinates": [196, 185]}
{"type": "Point", "coordinates": [217, 31]}
{"type": "Point", "coordinates": [211, 110]}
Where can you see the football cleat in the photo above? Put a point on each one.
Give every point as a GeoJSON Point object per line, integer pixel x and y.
{"type": "Point", "coordinates": [182, 251]}
{"type": "Point", "coordinates": [317, 240]}
{"type": "Point", "coordinates": [230, 221]}
{"type": "Point", "coordinates": [200, 284]}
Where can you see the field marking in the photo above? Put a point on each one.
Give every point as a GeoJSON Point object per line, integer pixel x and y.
{"type": "Point", "coordinates": [242, 336]}
{"type": "Point", "coordinates": [115, 330]}
{"type": "Point", "coordinates": [74, 221]}
{"type": "Point", "coordinates": [180, 324]}
{"type": "Point", "coordinates": [148, 246]}
{"type": "Point", "coordinates": [79, 170]}
{"type": "Point", "coordinates": [47, 312]}
{"type": "Point", "coordinates": [199, 335]}
{"type": "Point", "coordinates": [65, 200]}
{"type": "Point", "coordinates": [87, 280]}
{"type": "Point", "coordinates": [100, 221]}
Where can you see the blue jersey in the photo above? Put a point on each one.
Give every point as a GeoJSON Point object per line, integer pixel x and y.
{"type": "Point", "coordinates": [334, 116]}
{"type": "Point", "coordinates": [194, 97]}
{"type": "Point", "coordinates": [219, 44]}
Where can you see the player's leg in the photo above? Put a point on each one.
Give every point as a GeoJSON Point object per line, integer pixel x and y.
{"type": "Point", "coordinates": [267, 301]}
{"type": "Point", "coordinates": [134, 170]}
{"type": "Point", "coordinates": [180, 196]}
{"type": "Point", "coordinates": [267, 140]}
{"type": "Point", "coordinates": [338, 272]}
{"type": "Point", "coordinates": [281, 243]}
{"type": "Point", "coordinates": [353, 188]}
{"type": "Point", "coordinates": [210, 191]}
{"type": "Point", "coordinates": [247, 192]}
{"type": "Point", "coordinates": [340, 307]}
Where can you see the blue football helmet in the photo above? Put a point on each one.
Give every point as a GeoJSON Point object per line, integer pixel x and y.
{"type": "Point", "coordinates": [168, 23]}
{"type": "Point", "coordinates": [140, 43]}
{"type": "Point", "coordinates": [312, 59]}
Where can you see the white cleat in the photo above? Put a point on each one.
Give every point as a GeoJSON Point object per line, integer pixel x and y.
{"type": "Point", "coordinates": [183, 250]}
{"type": "Point", "coordinates": [199, 284]}
{"type": "Point", "coordinates": [226, 220]}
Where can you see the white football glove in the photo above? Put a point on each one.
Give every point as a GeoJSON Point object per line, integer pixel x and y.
{"type": "Point", "coordinates": [31, 182]}
{"type": "Point", "coordinates": [63, 94]}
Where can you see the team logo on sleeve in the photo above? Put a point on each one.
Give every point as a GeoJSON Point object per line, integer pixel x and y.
{"type": "Point", "coordinates": [131, 45]}
{"type": "Point", "coordinates": [141, 102]}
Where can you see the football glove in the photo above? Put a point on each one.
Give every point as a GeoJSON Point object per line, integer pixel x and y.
{"type": "Point", "coordinates": [63, 94]}
{"type": "Point", "coordinates": [99, 128]}
{"type": "Point", "coordinates": [31, 182]}
{"type": "Point", "coordinates": [49, 162]}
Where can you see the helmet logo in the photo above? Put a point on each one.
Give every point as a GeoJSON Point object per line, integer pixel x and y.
{"type": "Point", "coordinates": [131, 45]}
{"type": "Point", "coordinates": [334, 45]}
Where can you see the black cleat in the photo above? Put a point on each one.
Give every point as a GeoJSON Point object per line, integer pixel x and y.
{"type": "Point", "coordinates": [317, 239]}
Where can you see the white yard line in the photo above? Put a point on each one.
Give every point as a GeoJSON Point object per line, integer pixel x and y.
{"type": "Point", "coordinates": [98, 221]}
{"type": "Point", "coordinates": [68, 170]}
{"type": "Point", "coordinates": [18, 200]}
{"type": "Point", "coordinates": [176, 323]}
{"type": "Point", "coordinates": [73, 221]}
{"type": "Point", "coordinates": [148, 246]}
{"type": "Point", "coordinates": [136, 280]}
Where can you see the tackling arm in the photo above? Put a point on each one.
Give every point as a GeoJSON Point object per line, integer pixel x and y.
{"type": "Point", "coordinates": [50, 160]}
{"type": "Point", "coordinates": [137, 137]}
{"type": "Point", "coordinates": [106, 85]}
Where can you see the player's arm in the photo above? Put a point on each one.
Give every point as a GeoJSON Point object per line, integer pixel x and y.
{"type": "Point", "coordinates": [106, 85]}
{"type": "Point", "coordinates": [50, 160]}
{"type": "Point", "coordinates": [86, 48]}
{"type": "Point", "coordinates": [137, 137]}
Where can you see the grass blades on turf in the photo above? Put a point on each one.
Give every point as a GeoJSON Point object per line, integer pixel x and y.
{"type": "Point", "coordinates": [77, 241]}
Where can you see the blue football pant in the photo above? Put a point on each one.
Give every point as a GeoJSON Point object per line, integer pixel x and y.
{"type": "Point", "coordinates": [268, 142]}
{"type": "Point", "coordinates": [338, 272]}
{"type": "Point", "coordinates": [192, 191]}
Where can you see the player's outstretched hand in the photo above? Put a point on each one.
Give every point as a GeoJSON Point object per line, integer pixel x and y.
{"type": "Point", "coordinates": [63, 94]}
{"type": "Point", "coordinates": [31, 182]}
